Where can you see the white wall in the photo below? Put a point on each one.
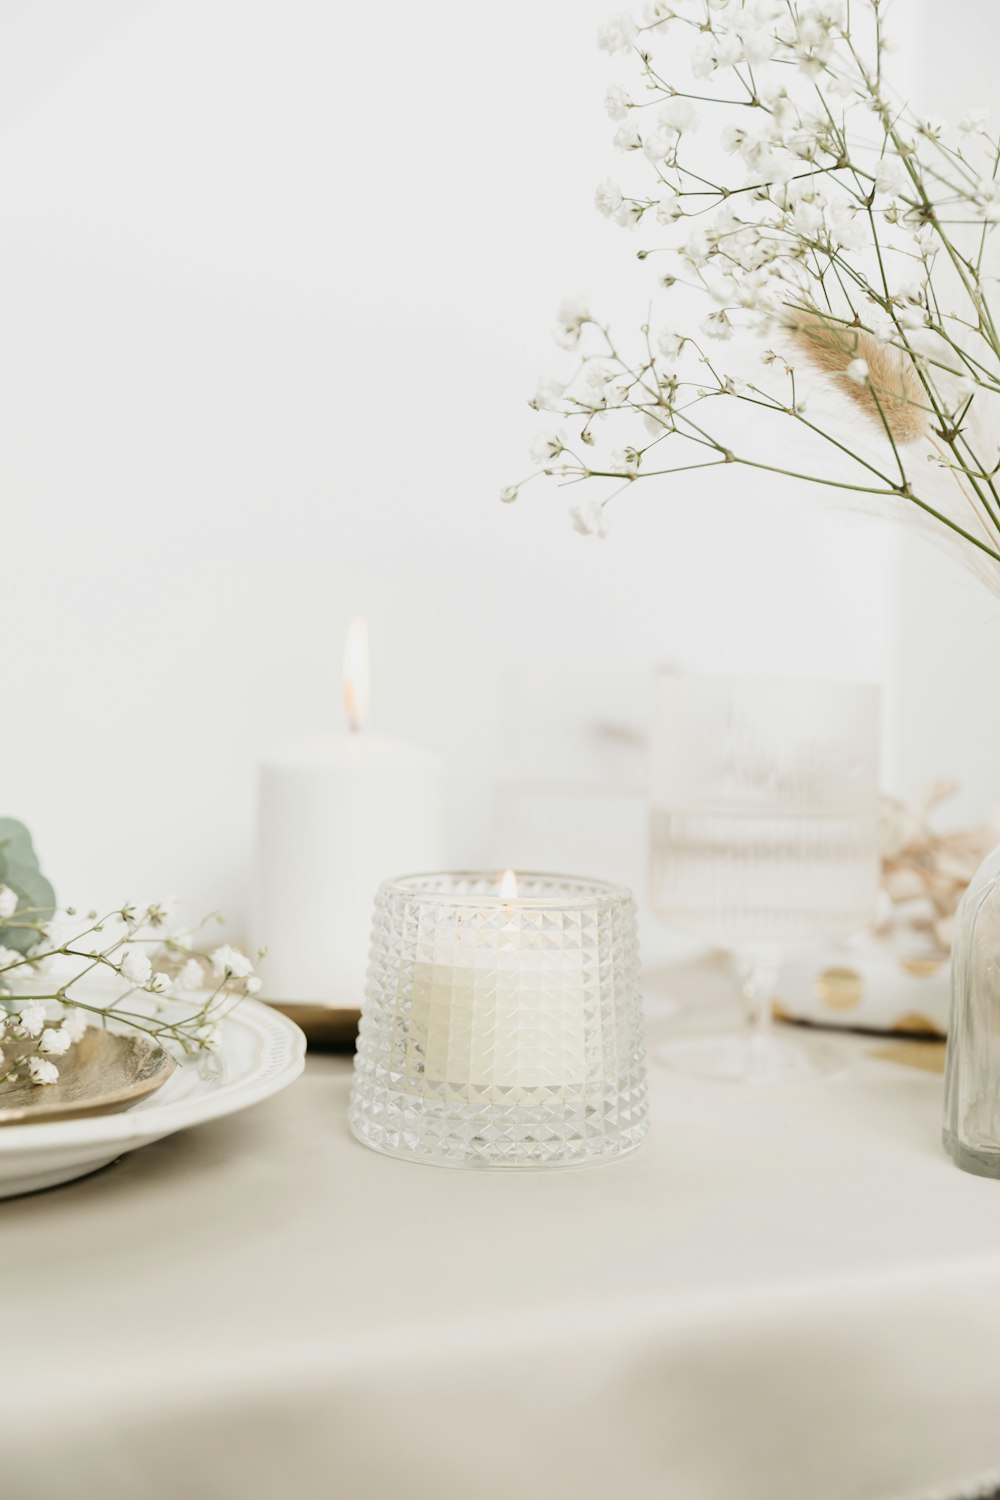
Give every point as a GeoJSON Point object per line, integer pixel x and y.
{"type": "Point", "coordinates": [944, 705]}
{"type": "Point", "coordinates": [275, 282]}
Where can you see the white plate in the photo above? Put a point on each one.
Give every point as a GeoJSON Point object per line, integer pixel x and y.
{"type": "Point", "coordinates": [260, 1052]}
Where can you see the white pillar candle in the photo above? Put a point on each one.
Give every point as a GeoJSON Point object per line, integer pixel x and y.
{"type": "Point", "coordinates": [337, 815]}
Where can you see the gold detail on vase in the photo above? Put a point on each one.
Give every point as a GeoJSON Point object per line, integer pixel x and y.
{"type": "Point", "coordinates": [839, 988]}
{"type": "Point", "coordinates": [922, 968]}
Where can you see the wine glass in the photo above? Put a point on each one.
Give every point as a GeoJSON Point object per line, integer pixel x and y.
{"type": "Point", "coordinates": [764, 841]}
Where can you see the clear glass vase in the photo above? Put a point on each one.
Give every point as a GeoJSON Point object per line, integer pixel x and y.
{"type": "Point", "coordinates": [972, 1083]}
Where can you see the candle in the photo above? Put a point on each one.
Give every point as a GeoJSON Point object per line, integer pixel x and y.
{"type": "Point", "coordinates": [502, 1024]}
{"type": "Point", "coordinates": [501, 1006]}
{"type": "Point", "coordinates": [336, 814]}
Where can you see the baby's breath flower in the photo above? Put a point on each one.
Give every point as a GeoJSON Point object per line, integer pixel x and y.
{"type": "Point", "coordinates": [509, 494]}
{"type": "Point", "coordinates": [29, 1020]}
{"type": "Point", "coordinates": [890, 176]}
{"type": "Point", "coordinates": [617, 103]}
{"type": "Point", "coordinates": [589, 519]}
{"type": "Point", "coordinates": [973, 122]}
{"type": "Point", "coordinates": [608, 198]}
{"type": "Point", "coordinates": [135, 966]}
{"type": "Point", "coordinates": [41, 1071]}
{"type": "Point", "coordinates": [74, 1024]}
{"type": "Point", "coordinates": [857, 371]}
{"type": "Point", "coordinates": [571, 318]}
{"type": "Point", "coordinates": [55, 1041]}
{"type": "Point", "coordinates": [8, 901]}
{"type": "Point", "coordinates": [617, 35]}
{"type": "Point", "coordinates": [227, 960]}
{"type": "Point", "coordinates": [191, 976]}
{"type": "Point", "coordinates": [717, 325]}
{"type": "Point", "coordinates": [547, 446]}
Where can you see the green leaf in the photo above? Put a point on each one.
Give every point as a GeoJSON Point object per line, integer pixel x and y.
{"type": "Point", "coordinates": [19, 869]}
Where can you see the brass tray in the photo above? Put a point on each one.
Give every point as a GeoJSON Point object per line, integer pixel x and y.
{"type": "Point", "coordinates": [106, 1071]}
{"type": "Point", "coordinates": [326, 1026]}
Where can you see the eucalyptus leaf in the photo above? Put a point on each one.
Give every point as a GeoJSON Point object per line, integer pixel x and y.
{"type": "Point", "coordinates": [19, 869]}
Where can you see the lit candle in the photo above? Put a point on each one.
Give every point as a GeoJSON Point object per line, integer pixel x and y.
{"type": "Point", "coordinates": [336, 815]}
{"type": "Point", "coordinates": [499, 1004]}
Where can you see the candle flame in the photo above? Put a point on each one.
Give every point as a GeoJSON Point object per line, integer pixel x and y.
{"type": "Point", "coordinates": [508, 886]}
{"type": "Point", "coordinates": [357, 678]}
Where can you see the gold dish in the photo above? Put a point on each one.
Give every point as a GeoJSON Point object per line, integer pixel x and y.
{"type": "Point", "coordinates": [106, 1071]}
{"type": "Point", "coordinates": [330, 1026]}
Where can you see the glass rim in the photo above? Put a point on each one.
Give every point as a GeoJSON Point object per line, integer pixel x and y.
{"type": "Point", "coordinates": [589, 892]}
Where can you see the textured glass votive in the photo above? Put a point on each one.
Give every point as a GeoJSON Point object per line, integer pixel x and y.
{"type": "Point", "coordinates": [501, 1031]}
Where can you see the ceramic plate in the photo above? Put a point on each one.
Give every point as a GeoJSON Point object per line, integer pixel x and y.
{"type": "Point", "coordinates": [260, 1052]}
{"type": "Point", "coordinates": [105, 1072]}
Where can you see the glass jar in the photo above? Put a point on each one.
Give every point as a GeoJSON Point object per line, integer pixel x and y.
{"type": "Point", "coordinates": [502, 1024]}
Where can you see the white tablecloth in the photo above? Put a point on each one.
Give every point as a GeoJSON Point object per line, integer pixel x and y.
{"type": "Point", "coordinates": [788, 1294]}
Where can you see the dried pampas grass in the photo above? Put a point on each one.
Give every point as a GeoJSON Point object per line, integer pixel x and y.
{"type": "Point", "coordinates": [891, 397]}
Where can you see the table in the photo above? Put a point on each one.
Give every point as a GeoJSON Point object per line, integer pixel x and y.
{"type": "Point", "coordinates": [788, 1294]}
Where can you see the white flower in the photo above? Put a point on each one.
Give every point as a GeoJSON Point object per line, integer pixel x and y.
{"type": "Point", "coordinates": [588, 518]}
{"type": "Point", "coordinates": [857, 371]}
{"type": "Point", "coordinates": [160, 983]}
{"type": "Point", "coordinates": [670, 344]}
{"type": "Point", "coordinates": [8, 901]}
{"type": "Point", "coordinates": [548, 391]}
{"type": "Point", "coordinates": [207, 1037]}
{"type": "Point", "coordinates": [808, 218]}
{"type": "Point", "coordinates": [31, 1020]}
{"type": "Point", "coordinates": [756, 46]}
{"type": "Point", "coordinates": [848, 227]}
{"type": "Point", "coordinates": [704, 57]}
{"type": "Point", "coordinates": [74, 1024]}
{"type": "Point", "coordinates": [669, 210]}
{"type": "Point", "coordinates": [973, 121]}
{"type": "Point", "coordinates": [135, 966]}
{"type": "Point", "coordinates": [629, 213]}
{"type": "Point", "coordinates": [890, 176]}
{"type": "Point", "coordinates": [509, 493]}
{"type": "Point", "coordinates": [8, 956]}
{"type": "Point", "coordinates": [56, 1042]}
{"type": "Point", "coordinates": [933, 128]}
{"type": "Point", "coordinates": [228, 960]}
{"type": "Point", "coordinates": [989, 207]}
{"type": "Point", "coordinates": [41, 1071]}
{"type": "Point", "coordinates": [617, 35]}
{"type": "Point", "coordinates": [617, 102]}
{"type": "Point", "coordinates": [912, 317]}
{"type": "Point", "coordinates": [717, 325]}
{"type": "Point", "coordinates": [608, 198]}
{"type": "Point", "coordinates": [658, 145]}
{"type": "Point", "coordinates": [546, 446]}
{"type": "Point", "coordinates": [627, 137]}
{"type": "Point", "coordinates": [626, 460]}
{"type": "Point", "coordinates": [696, 248]}
{"type": "Point", "coordinates": [191, 977]}
{"type": "Point", "coordinates": [252, 985]}
{"type": "Point", "coordinates": [570, 318]}
{"type": "Point", "coordinates": [733, 139]}
{"type": "Point", "coordinates": [678, 115]}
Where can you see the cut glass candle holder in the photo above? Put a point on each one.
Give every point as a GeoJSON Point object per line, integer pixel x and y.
{"type": "Point", "coordinates": [501, 1030]}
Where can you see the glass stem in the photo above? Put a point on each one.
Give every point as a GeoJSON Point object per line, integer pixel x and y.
{"type": "Point", "coordinates": [758, 980]}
